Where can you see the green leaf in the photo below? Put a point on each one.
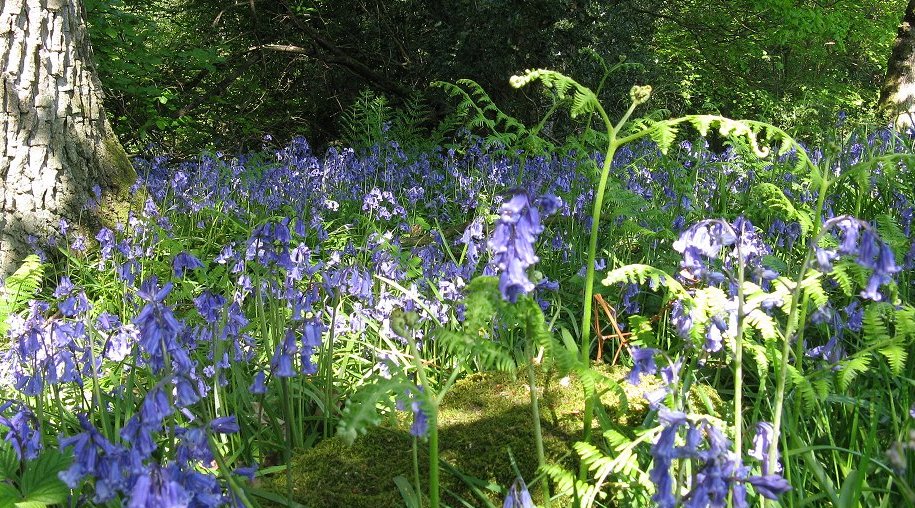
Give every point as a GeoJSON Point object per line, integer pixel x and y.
{"type": "Point", "coordinates": [774, 198]}
{"type": "Point", "coordinates": [8, 495]}
{"type": "Point", "coordinates": [411, 500]}
{"type": "Point", "coordinates": [9, 463]}
{"type": "Point", "coordinates": [849, 490]}
{"type": "Point", "coordinates": [640, 274]}
{"type": "Point", "coordinates": [40, 483]}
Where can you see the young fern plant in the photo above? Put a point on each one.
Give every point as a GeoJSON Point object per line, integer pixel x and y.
{"type": "Point", "coordinates": [582, 102]}
{"type": "Point", "coordinates": [475, 110]}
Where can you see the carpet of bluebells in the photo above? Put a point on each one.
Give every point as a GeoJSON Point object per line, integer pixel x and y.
{"type": "Point", "coordinates": [185, 355]}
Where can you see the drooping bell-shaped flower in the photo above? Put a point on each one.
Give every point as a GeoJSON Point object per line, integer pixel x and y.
{"type": "Point", "coordinates": [512, 244]}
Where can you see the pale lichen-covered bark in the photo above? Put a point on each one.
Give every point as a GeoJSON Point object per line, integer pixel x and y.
{"type": "Point", "coordinates": [57, 143]}
{"type": "Point", "coordinates": [897, 97]}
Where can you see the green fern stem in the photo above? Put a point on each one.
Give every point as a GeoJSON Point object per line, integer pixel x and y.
{"type": "Point", "coordinates": [433, 458]}
{"type": "Point", "coordinates": [612, 145]}
{"type": "Point", "coordinates": [793, 323]}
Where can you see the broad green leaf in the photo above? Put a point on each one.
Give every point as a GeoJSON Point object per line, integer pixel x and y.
{"type": "Point", "coordinates": [40, 482]}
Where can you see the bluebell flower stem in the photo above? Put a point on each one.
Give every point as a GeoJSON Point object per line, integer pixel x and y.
{"type": "Point", "coordinates": [432, 402]}
{"type": "Point", "coordinates": [96, 389]}
{"type": "Point", "coordinates": [329, 375]}
{"type": "Point", "coordinates": [538, 432]}
{"type": "Point", "coordinates": [738, 353]}
{"type": "Point", "coordinates": [236, 489]}
{"type": "Point", "coordinates": [287, 450]}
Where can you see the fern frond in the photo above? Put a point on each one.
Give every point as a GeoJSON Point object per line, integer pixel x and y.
{"type": "Point", "coordinates": [19, 288]}
{"type": "Point", "coordinates": [362, 409]}
{"type": "Point", "coordinates": [584, 101]}
{"type": "Point", "coordinates": [664, 136]}
{"type": "Point", "coordinates": [481, 112]}
{"type": "Point", "coordinates": [850, 368]}
{"type": "Point", "coordinates": [640, 274]}
{"type": "Point", "coordinates": [774, 198]}
{"type": "Point", "coordinates": [896, 356]}
{"type": "Point", "coordinates": [812, 286]}
{"type": "Point", "coordinates": [804, 388]}
{"type": "Point", "coordinates": [875, 329]}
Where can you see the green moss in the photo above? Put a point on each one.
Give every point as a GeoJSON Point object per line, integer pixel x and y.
{"type": "Point", "coordinates": [482, 418]}
{"type": "Point", "coordinates": [117, 165]}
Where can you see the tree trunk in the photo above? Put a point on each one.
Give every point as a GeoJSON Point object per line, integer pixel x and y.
{"type": "Point", "coordinates": [897, 97]}
{"type": "Point", "coordinates": [57, 142]}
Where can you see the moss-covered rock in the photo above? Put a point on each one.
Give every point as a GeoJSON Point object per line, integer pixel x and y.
{"type": "Point", "coordinates": [482, 418]}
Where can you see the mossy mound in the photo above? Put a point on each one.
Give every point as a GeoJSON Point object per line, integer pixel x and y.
{"type": "Point", "coordinates": [482, 418]}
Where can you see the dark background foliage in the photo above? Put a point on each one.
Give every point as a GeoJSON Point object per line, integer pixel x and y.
{"type": "Point", "coordinates": [191, 73]}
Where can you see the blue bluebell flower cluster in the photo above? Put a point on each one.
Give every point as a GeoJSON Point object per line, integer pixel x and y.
{"type": "Point", "coordinates": [287, 238]}
{"type": "Point", "coordinates": [512, 243]}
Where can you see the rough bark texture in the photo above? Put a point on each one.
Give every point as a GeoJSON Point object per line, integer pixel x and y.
{"type": "Point", "coordinates": [897, 97]}
{"type": "Point", "coordinates": [57, 142]}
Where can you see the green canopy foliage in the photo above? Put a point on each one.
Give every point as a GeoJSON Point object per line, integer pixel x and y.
{"type": "Point", "coordinates": [190, 73]}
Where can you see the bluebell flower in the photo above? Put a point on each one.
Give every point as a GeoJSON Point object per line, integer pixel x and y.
{"type": "Point", "coordinates": [719, 472]}
{"type": "Point", "coordinates": [549, 204]}
{"type": "Point", "coordinates": [643, 363]}
{"type": "Point", "coordinates": [849, 228]}
{"type": "Point", "coordinates": [681, 319]}
{"type": "Point", "coordinates": [158, 325]}
{"type": "Point", "coordinates": [106, 242]}
{"type": "Point", "coordinates": [769, 486]}
{"type": "Point", "coordinates": [512, 244]}
{"type": "Point", "coordinates": [281, 363]}
{"type": "Point", "coordinates": [663, 452]}
{"type": "Point", "coordinates": [258, 386]}
{"type": "Point", "coordinates": [748, 243]}
{"type": "Point", "coordinates": [630, 304]}
{"type": "Point", "coordinates": [420, 426]}
{"type": "Point", "coordinates": [825, 258]}
{"type": "Point", "coordinates": [185, 261]}
{"type": "Point", "coordinates": [158, 487]}
{"type": "Point", "coordinates": [868, 249]}
{"type": "Point", "coordinates": [194, 445]}
{"type": "Point", "coordinates": [224, 425]}
{"type": "Point", "coordinates": [248, 472]}
{"type": "Point", "coordinates": [762, 441]}
{"type": "Point", "coordinates": [705, 238]}
{"type": "Point", "coordinates": [186, 393]}
{"type": "Point", "coordinates": [72, 300]}
{"type": "Point", "coordinates": [23, 432]}
{"type": "Point", "coordinates": [854, 314]}
{"type": "Point", "coordinates": [209, 305]}
{"type": "Point", "coordinates": [518, 496]}
{"type": "Point", "coordinates": [832, 352]}
{"type": "Point", "coordinates": [90, 449]}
